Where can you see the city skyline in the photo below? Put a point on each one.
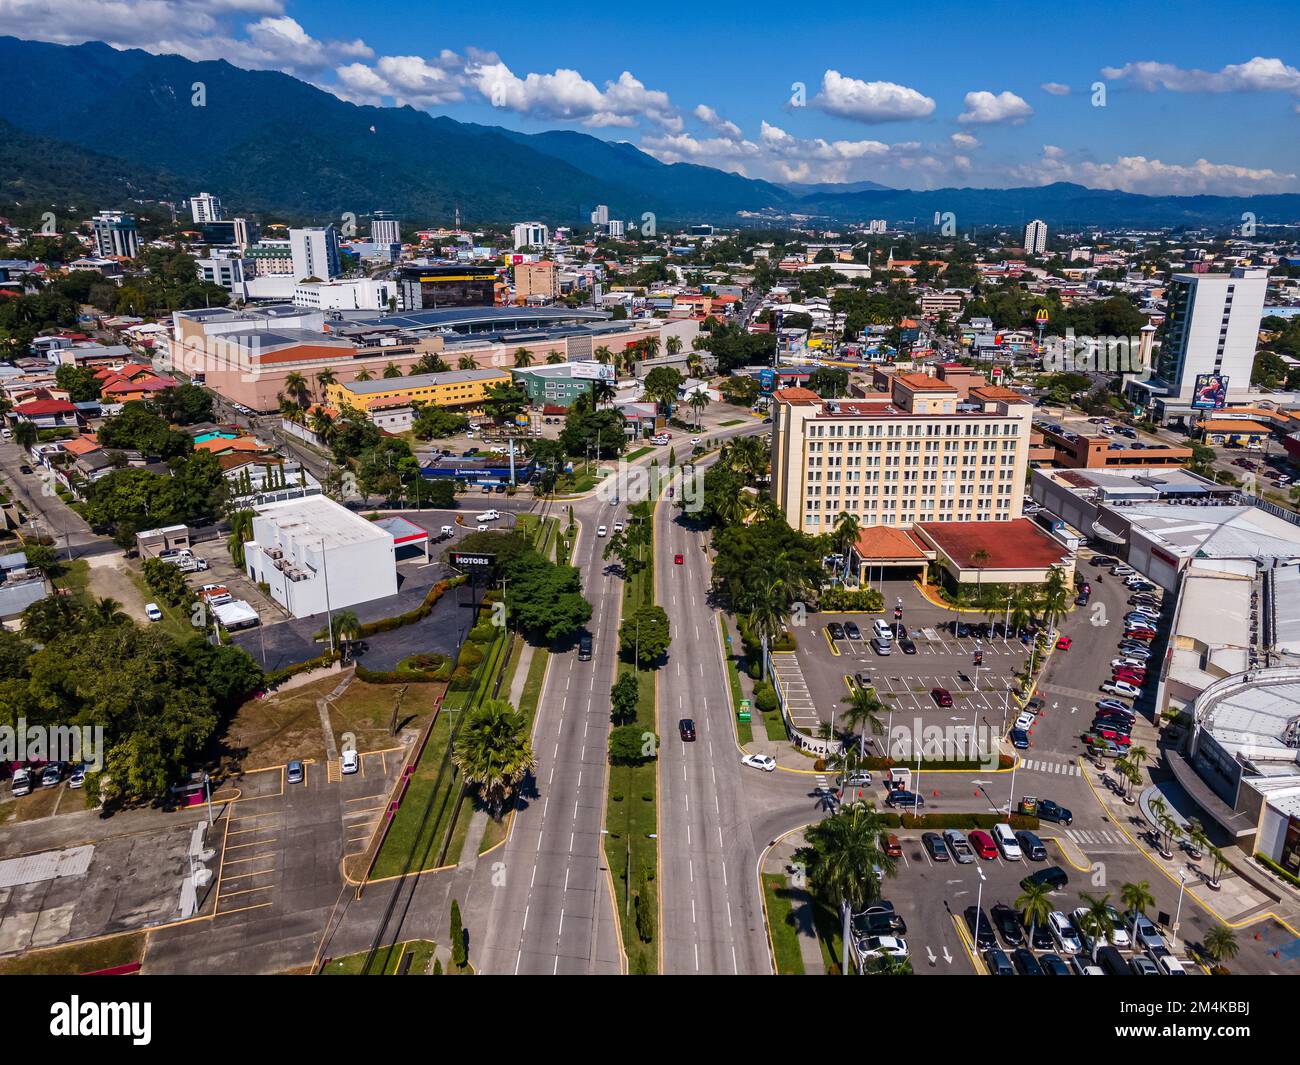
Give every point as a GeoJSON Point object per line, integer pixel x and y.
{"type": "Point", "coordinates": [863, 96]}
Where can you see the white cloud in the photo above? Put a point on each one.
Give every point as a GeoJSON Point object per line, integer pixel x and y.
{"type": "Point", "coordinates": [566, 94]}
{"type": "Point", "coordinates": [1055, 88]}
{"type": "Point", "coordinates": [1255, 75]}
{"type": "Point", "coordinates": [1153, 177]}
{"type": "Point", "coordinates": [714, 121]}
{"type": "Point", "coordinates": [985, 108]}
{"type": "Point", "coordinates": [870, 101]}
{"type": "Point", "coordinates": [965, 141]}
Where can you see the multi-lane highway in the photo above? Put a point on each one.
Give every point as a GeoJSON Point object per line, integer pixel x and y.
{"type": "Point", "coordinates": [712, 915]}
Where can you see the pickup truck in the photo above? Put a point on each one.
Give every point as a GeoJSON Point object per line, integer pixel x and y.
{"type": "Point", "coordinates": [489, 515]}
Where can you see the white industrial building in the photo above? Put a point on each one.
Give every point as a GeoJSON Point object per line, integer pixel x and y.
{"type": "Point", "coordinates": [315, 253]}
{"type": "Point", "coordinates": [361, 294]}
{"type": "Point", "coordinates": [315, 555]}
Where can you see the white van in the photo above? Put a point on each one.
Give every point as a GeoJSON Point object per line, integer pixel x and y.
{"type": "Point", "coordinates": [22, 783]}
{"type": "Point", "coordinates": [882, 629]}
{"type": "Point", "coordinates": [349, 761]}
{"type": "Point", "coordinates": [1006, 841]}
{"type": "Point", "coordinates": [489, 515]}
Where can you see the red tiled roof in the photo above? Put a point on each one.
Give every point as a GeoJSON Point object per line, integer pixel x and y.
{"type": "Point", "coordinates": [919, 382]}
{"type": "Point", "coordinates": [796, 395]}
{"type": "Point", "coordinates": [1018, 544]}
{"type": "Point", "coordinates": [996, 393]}
{"type": "Point", "coordinates": [81, 445]}
{"type": "Point", "coordinates": [45, 406]}
{"type": "Point", "coordinates": [888, 542]}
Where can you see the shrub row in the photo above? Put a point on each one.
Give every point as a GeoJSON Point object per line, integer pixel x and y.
{"type": "Point", "coordinates": [868, 599]}
{"type": "Point", "coordinates": [397, 676]}
{"type": "Point", "coordinates": [421, 612]}
{"type": "Point", "coordinates": [1273, 867]}
{"type": "Point", "coordinates": [274, 680]}
{"type": "Point", "coordinates": [955, 820]}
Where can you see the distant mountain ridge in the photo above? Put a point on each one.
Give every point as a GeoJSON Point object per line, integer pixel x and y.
{"type": "Point", "coordinates": [270, 144]}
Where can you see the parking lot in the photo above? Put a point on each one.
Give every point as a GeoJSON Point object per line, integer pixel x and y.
{"type": "Point", "coordinates": [828, 669]}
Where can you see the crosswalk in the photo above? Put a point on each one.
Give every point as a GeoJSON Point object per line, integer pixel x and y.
{"type": "Point", "coordinates": [1037, 765]}
{"type": "Point", "coordinates": [1097, 838]}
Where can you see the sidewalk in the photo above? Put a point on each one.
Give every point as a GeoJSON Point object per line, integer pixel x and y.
{"type": "Point", "coordinates": [776, 863]}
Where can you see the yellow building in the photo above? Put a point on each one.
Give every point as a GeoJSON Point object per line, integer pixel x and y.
{"type": "Point", "coordinates": [455, 389]}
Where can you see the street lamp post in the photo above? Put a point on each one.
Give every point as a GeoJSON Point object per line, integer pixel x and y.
{"type": "Point", "coordinates": [1178, 913]}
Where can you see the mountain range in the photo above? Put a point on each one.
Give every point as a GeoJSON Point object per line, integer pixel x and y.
{"type": "Point", "coordinates": [96, 127]}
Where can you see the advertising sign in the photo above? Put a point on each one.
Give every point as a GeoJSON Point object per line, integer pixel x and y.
{"type": "Point", "coordinates": [1211, 392]}
{"type": "Point", "coordinates": [767, 380]}
{"type": "Point", "coordinates": [467, 560]}
{"type": "Point", "coordinates": [590, 370]}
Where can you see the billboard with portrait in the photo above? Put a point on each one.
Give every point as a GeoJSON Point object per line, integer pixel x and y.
{"type": "Point", "coordinates": [1211, 392]}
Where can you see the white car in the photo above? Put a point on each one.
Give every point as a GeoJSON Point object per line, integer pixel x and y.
{"type": "Point", "coordinates": [618, 526]}
{"type": "Point", "coordinates": [1024, 721]}
{"type": "Point", "coordinates": [1168, 964]}
{"type": "Point", "coordinates": [1063, 932]}
{"type": "Point", "coordinates": [881, 946]}
{"type": "Point", "coordinates": [349, 761]}
{"type": "Point", "coordinates": [764, 762]}
{"type": "Point", "coordinates": [1118, 663]}
{"type": "Point", "coordinates": [1121, 687]}
{"type": "Point", "coordinates": [602, 531]}
{"type": "Point", "coordinates": [152, 612]}
{"type": "Point", "coordinates": [1006, 841]}
{"type": "Point", "coordinates": [695, 441]}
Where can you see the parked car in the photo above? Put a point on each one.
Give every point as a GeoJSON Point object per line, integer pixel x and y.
{"type": "Point", "coordinates": [1053, 876]}
{"type": "Point", "coordinates": [760, 761]}
{"type": "Point", "coordinates": [893, 846]}
{"type": "Point", "coordinates": [883, 946]}
{"type": "Point", "coordinates": [52, 775]}
{"type": "Point", "coordinates": [981, 928]}
{"type": "Point", "coordinates": [906, 646]}
{"type": "Point", "coordinates": [1005, 839]}
{"type": "Point", "coordinates": [21, 783]}
{"type": "Point", "coordinates": [1054, 965]}
{"type": "Point", "coordinates": [836, 630]}
{"type": "Point", "coordinates": [1064, 643]}
{"type": "Point", "coordinates": [1168, 964]}
{"type": "Point", "coordinates": [1064, 932]}
{"type": "Point", "coordinates": [1031, 846]}
{"type": "Point", "coordinates": [1025, 962]}
{"type": "Point", "coordinates": [1019, 739]}
{"type": "Point", "coordinates": [349, 761]}
{"type": "Point", "coordinates": [78, 776]}
{"type": "Point", "coordinates": [294, 773]}
{"type": "Point", "coordinates": [852, 631]}
{"type": "Point", "coordinates": [933, 844]}
{"type": "Point", "coordinates": [1009, 925]}
{"type": "Point", "coordinates": [152, 612]}
{"type": "Point", "coordinates": [961, 850]}
{"type": "Point", "coordinates": [1121, 687]}
{"type": "Point", "coordinates": [1047, 810]}
{"type": "Point", "coordinates": [998, 963]}
{"type": "Point", "coordinates": [862, 681]}
{"type": "Point", "coordinates": [942, 697]}
{"type": "Point", "coordinates": [1145, 934]}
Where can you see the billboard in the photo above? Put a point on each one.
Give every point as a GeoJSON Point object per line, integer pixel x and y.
{"type": "Point", "coordinates": [590, 370]}
{"type": "Point", "coordinates": [766, 380]}
{"type": "Point", "coordinates": [1211, 392]}
{"type": "Point", "coordinates": [465, 560]}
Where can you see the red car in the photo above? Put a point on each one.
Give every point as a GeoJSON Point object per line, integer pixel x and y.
{"type": "Point", "coordinates": [1064, 643]}
{"type": "Point", "coordinates": [1120, 739]}
{"type": "Point", "coordinates": [1140, 633]}
{"type": "Point", "coordinates": [678, 559]}
{"type": "Point", "coordinates": [942, 697]}
{"type": "Point", "coordinates": [1136, 679]}
{"type": "Point", "coordinates": [982, 844]}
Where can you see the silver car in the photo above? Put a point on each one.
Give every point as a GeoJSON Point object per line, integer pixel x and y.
{"type": "Point", "coordinates": [961, 850]}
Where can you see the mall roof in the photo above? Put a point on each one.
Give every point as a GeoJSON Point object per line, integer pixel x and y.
{"type": "Point", "coordinates": [1233, 425]}
{"type": "Point", "coordinates": [422, 380]}
{"type": "Point", "coordinates": [466, 317]}
{"type": "Point", "coordinates": [1257, 719]}
{"type": "Point", "coordinates": [1215, 531]}
{"type": "Point", "coordinates": [1016, 544]}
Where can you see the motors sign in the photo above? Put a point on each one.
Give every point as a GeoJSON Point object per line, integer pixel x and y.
{"type": "Point", "coordinates": [467, 560]}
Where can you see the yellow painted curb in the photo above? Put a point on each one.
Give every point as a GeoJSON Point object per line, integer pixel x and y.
{"type": "Point", "coordinates": [829, 642]}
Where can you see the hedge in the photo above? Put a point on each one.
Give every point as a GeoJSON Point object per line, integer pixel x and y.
{"type": "Point", "coordinates": [273, 680]}
{"type": "Point", "coordinates": [421, 612]}
{"type": "Point", "coordinates": [986, 821]}
{"type": "Point", "coordinates": [1273, 867]}
{"type": "Point", "coordinates": [868, 599]}
{"type": "Point", "coordinates": [470, 656]}
{"type": "Point", "coordinates": [398, 676]}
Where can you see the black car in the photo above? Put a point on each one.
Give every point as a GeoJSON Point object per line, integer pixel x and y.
{"type": "Point", "coordinates": [960, 628]}
{"type": "Point", "coordinates": [1031, 846]}
{"type": "Point", "coordinates": [836, 630]}
{"type": "Point", "coordinates": [933, 843]}
{"type": "Point", "coordinates": [862, 681]}
{"type": "Point", "coordinates": [1040, 938]}
{"type": "Point", "coordinates": [998, 963]}
{"type": "Point", "coordinates": [1050, 811]}
{"type": "Point", "coordinates": [1115, 723]}
{"type": "Point", "coordinates": [1081, 599]}
{"type": "Point", "coordinates": [1008, 925]}
{"type": "Point", "coordinates": [1112, 962]}
{"type": "Point", "coordinates": [1053, 876]}
{"type": "Point", "coordinates": [1054, 965]}
{"type": "Point", "coordinates": [982, 930]}
{"type": "Point", "coordinates": [879, 924]}
{"type": "Point", "coordinates": [852, 631]}
{"type": "Point", "coordinates": [906, 646]}
{"type": "Point", "coordinates": [1026, 963]}
{"type": "Point", "coordinates": [686, 729]}
{"type": "Point", "coordinates": [24, 468]}
{"type": "Point", "coordinates": [906, 800]}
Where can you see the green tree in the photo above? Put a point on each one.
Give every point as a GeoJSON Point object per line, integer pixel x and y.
{"type": "Point", "coordinates": [1034, 904]}
{"type": "Point", "coordinates": [493, 753]}
{"type": "Point", "coordinates": [1221, 944]}
{"type": "Point", "coordinates": [623, 699]}
{"type": "Point", "coordinates": [644, 636]}
{"type": "Point", "coordinates": [631, 745]}
{"type": "Point", "coordinates": [456, 933]}
{"type": "Point", "coordinates": [1137, 898]}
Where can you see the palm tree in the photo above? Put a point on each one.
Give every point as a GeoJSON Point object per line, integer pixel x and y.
{"type": "Point", "coordinates": [493, 753]}
{"type": "Point", "coordinates": [651, 346]}
{"type": "Point", "coordinates": [107, 612]}
{"type": "Point", "coordinates": [1023, 601]}
{"type": "Point", "coordinates": [466, 362]}
{"type": "Point", "coordinates": [1221, 943]}
{"type": "Point", "coordinates": [323, 380]}
{"type": "Point", "coordinates": [1096, 920]}
{"type": "Point", "coordinates": [845, 535]}
{"type": "Point", "coordinates": [241, 531]}
{"type": "Point", "coordinates": [842, 853]}
{"type": "Point", "coordinates": [295, 386]}
{"type": "Point", "coordinates": [554, 358]}
{"type": "Point", "coordinates": [392, 370]}
{"type": "Point", "coordinates": [674, 345]}
{"type": "Point", "coordinates": [364, 375]}
{"type": "Point", "coordinates": [979, 558]}
{"type": "Point", "coordinates": [767, 607]}
{"type": "Point", "coordinates": [1034, 904]}
{"type": "Point", "coordinates": [1170, 832]}
{"type": "Point", "coordinates": [1136, 898]}
{"type": "Point", "coordinates": [694, 363]}
{"type": "Point", "coordinates": [603, 355]}
{"type": "Point", "coordinates": [322, 425]}
{"type": "Point", "coordinates": [863, 713]}
{"type": "Point", "coordinates": [1054, 600]}
{"type": "Point", "coordinates": [523, 357]}
{"type": "Point", "coordinates": [26, 434]}
{"type": "Point", "coordinates": [698, 401]}
{"type": "Point", "coordinates": [1218, 864]}
{"type": "Point", "coordinates": [1197, 840]}
{"type": "Point", "coordinates": [347, 629]}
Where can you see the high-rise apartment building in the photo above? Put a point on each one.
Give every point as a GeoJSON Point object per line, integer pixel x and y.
{"type": "Point", "coordinates": [115, 235]}
{"type": "Point", "coordinates": [1035, 241]}
{"type": "Point", "coordinates": [1211, 331]}
{"type": "Point", "coordinates": [600, 216]}
{"type": "Point", "coordinates": [918, 453]}
{"type": "Point", "coordinates": [315, 253]}
{"type": "Point", "coordinates": [206, 208]}
{"type": "Point", "coordinates": [615, 228]}
{"type": "Point", "coordinates": [531, 235]}
{"type": "Point", "coordinates": [385, 229]}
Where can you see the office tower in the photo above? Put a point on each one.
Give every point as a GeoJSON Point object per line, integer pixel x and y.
{"type": "Point", "coordinates": [385, 229]}
{"type": "Point", "coordinates": [315, 253]}
{"type": "Point", "coordinates": [1212, 327]}
{"type": "Point", "coordinates": [530, 235]}
{"type": "Point", "coordinates": [116, 235]}
{"type": "Point", "coordinates": [600, 215]}
{"type": "Point", "coordinates": [206, 208]}
{"type": "Point", "coordinates": [1036, 237]}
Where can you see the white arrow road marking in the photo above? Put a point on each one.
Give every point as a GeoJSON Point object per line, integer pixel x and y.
{"type": "Point", "coordinates": [946, 956]}
{"type": "Point", "coordinates": [930, 954]}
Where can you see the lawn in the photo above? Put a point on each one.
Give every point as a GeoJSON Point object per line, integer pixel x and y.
{"type": "Point", "coordinates": [528, 699]}
{"type": "Point", "coordinates": [744, 729]}
{"type": "Point", "coordinates": [781, 925]}
{"type": "Point", "coordinates": [386, 961]}
{"type": "Point", "coordinates": [631, 817]}
{"type": "Point", "coordinates": [87, 957]}
{"type": "Point", "coordinates": [731, 422]}
{"type": "Point", "coordinates": [633, 455]}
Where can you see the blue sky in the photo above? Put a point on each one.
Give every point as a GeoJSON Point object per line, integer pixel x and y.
{"type": "Point", "coordinates": [1199, 97]}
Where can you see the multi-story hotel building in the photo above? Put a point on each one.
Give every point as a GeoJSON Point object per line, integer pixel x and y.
{"type": "Point", "coordinates": [917, 453]}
